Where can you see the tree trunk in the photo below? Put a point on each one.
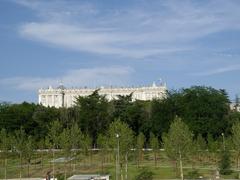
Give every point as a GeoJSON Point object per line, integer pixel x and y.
{"type": "Point", "coordinates": [53, 165]}
{"type": "Point", "coordinates": [176, 169]}
{"type": "Point", "coordinates": [102, 162]}
{"type": "Point", "coordinates": [20, 175]}
{"type": "Point", "coordinates": [5, 172]}
{"type": "Point", "coordinates": [238, 167]}
{"type": "Point", "coordinates": [138, 158]}
{"type": "Point", "coordinates": [65, 171]}
{"type": "Point", "coordinates": [121, 172]}
{"type": "Point", "coordinates": [155, 158]}
{"type": "Point", "coordinates": [42, 159]}
{"type": "Point", "coordinates": [28, 167]}
{"type": "Point", "coordinates": [180, 162]}
{"type": "Point", "coordinates": [116, 168]}
{"type": "Point", "coordinates": [126, 166]}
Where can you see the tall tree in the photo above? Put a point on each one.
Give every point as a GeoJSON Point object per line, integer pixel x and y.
{"type": "Point", "coordinates": [93, 118]}
{"type": "Point", "coordinates": [4, 147]}
{"type": "Point", "coordinates": [19, 141]}
{"type": "Point", "coordinates": [76, 139]}
{"type": "Point", "coordinates": [154, 144]}
{"type": "Point", "coordinates": [196, 108]}
{"type": "Point", "coordinates": [201, 145]}
{"type": "Point", "coordinates": [103, 146]}
{"type": "Point", "coordinates": [87, 147]}
{"type": "Point", "coordinates": [178, 142]}
{"type": "Point", "coordinates": [29, 151]}
{"type": "Point", "coordinates": [236, 142]}
{"type": "Point", "coordinates": [54, 131]}
{"type": "Point", "coordinates": [139, 147]}
{"type": "Point", "coordinates": [65, 145]}
{"type": "Point", "coordinates": [121, 136]}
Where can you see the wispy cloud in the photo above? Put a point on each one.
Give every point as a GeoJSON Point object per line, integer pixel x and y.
{"type": "Point", "coordinates": [147, 29]}
{"type": "Point", "coordinates": [218, 70]}
{"type": "Point", "coordinates": [74, 78]}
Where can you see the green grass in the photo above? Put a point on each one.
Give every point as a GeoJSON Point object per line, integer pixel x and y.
{"type": "Point", "coordinates": [165, 169]}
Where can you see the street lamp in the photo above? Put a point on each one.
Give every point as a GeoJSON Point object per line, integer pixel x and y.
{"type": "Point", "coordinates": [223, 141]}
{"type": "Point", "coordinates": [117, 157]}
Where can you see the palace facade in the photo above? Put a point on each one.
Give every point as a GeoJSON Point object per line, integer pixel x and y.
{"type": "Point", "coordinates": [65, 97]}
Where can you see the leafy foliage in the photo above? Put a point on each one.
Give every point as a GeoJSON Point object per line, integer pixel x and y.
{"type": "Point", "coordinates": [225, 163]}
{"type": "Point", "coordinates": [144, 174]}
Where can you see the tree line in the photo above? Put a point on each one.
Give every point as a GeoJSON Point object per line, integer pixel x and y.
{"type": "Point", "coordinates": [204, 109]}
{"type": "Point", "coordinates": [199, 115]}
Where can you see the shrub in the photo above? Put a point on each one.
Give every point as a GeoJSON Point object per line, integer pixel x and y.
{"type": "Point", "coordinates": [144, 174]}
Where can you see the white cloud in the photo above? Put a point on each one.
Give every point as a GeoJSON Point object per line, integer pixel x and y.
{"type": "Point", "coordinates": [143, 30]}
{"type": "Point", "coordinates": [218, 71]}
{"type": "Point", "coordinates": [74, 78]}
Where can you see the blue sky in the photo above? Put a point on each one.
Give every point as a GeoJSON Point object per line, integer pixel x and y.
{"type": "Point", "coordinates": [119, 43]}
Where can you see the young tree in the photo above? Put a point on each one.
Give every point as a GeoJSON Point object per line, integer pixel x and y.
{"type": "Point", "coordinates": [86, 146]}
{"type": "Point", "coordinates": [200, 145]}
{"type": "Point", "coordinates": [41, 145]}
{"type": "Point", "coordinates": [65, 145]}
{"type": "Point", "coordinates": [76, 139]}
{"type": "Point", "coordinates": [225, 162]}
{"type": "Point", "coordinates": [236, 142]}
{"type": "Point", "coordinates": [103, 146]}
{"type": "Point", "coordinates": [121, 136]}
{"type": "Point", "coordinates": [212, 147]}
{"type": "Point", "coordinates": [28, 151]}
{"type": "Point", "coordinates": [139, 147]}
{"type": "Point", "coordinates": [54, 131]}
{"type": "Point", "coordinates": [144, 174]}
{"type": "Point", "coordinates": [154, 144]}
{"type": "Point", "coordinates": [178, 142]}
{"type": "Point", "coordinates": [19, 142]}
{"type": "Point", "coordinates": [4, 147]}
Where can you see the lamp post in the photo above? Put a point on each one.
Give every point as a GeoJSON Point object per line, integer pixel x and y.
{"type": "Point", "coordinates": [117, 157]}
{"type": "Point", "coordinates": [223, 141]}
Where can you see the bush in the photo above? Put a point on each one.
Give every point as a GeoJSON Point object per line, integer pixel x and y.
{"type": "Point", "coordinates": [194, 174]}
{"type": "Point", "coordinates": [144, 174]}
{"type": "Point", "coordinates": [225, 163]}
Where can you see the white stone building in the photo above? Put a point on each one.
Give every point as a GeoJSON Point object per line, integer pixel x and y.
{"type": "Point", "coordinates": [64, 97]}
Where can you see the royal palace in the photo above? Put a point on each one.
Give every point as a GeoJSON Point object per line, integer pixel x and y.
{"type": "Point", "coordinates": [65, 97]}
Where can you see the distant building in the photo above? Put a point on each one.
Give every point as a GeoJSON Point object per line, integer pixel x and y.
{"type": "Point", "coordinates": [235, 106]}
{"type": "Point", "coordinates": [64, 97]}
{"type": "Point", "coordinates": [89, 177]}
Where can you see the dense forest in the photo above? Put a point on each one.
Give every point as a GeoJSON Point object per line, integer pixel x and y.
{"type": "Point", "coordinates": [205, 110]}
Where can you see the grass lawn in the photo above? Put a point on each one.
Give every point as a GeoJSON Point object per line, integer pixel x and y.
{"type": "Point", "coordinates": [80, 164]}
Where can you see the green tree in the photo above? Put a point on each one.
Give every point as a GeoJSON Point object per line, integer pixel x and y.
{"type": "Point", "coordinates": [225, 163]}
{"type": "Point", "coordinates": [124, 139]}
{"type": "Point", "coordinates": [213, 146]}
{"type": "Point", "coordinates": [87, 147]}
{"type": "Point", "coordinates": [195, 107]}
{"type": "Point", "coordinates": [178, 142]}
{"type": "Point", "coordinates": [201, 145]}
{"type": "Point", "coordinates": [93, 114]}
{"type": "Point", "coordinates": [41, 145]}
{"type": "Point", "coordinates": [76, 138]}
{"type": "Point", "coordinates": [103, 146]}
{"type": "Point", "coordinates": [43, 117]}
{"type": "Point", "coordinates": [65, 145]}
{"type": "Point", "coordinates": [139, 147]}
{"type": "Point", "coordinates": [4, 147]}
{"type": "Point", "coordinates": [19, 142]}
{"type": "Point", "coordinates": [236, 142]}
{"type": "Point", "coordinates": [154, 145]}
{"type": "Point", "coordinates": [144, 174]}
{"type": "Point", "coordinates": [29, 151]}
{"type": "Point", "coordinates": [54, 131]}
